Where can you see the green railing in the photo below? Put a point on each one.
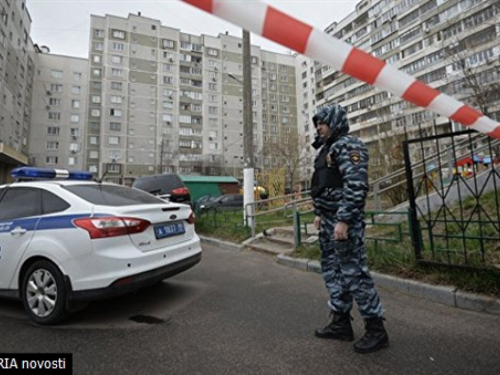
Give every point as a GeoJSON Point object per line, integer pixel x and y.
{"type": "Point", "coordinates": [286, 211]}
{"type": "Point", "coordinates": [379, 228]}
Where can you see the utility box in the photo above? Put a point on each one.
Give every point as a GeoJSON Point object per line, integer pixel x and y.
{"type": "Point", "coordinates": [200, 186]}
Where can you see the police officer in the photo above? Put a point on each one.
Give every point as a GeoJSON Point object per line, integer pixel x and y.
{"type": "Point", "coordinates": [339, 190]}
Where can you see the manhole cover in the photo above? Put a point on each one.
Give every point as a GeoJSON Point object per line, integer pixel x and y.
{"type": "Point", "coordinates": [146, 319]}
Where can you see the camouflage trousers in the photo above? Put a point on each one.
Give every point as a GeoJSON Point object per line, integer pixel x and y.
{"type": "Point", "coordinates": [345, 272]}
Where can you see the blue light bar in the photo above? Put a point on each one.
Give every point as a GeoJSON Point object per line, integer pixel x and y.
{"type": "Point", "coordinates": [38, 173]}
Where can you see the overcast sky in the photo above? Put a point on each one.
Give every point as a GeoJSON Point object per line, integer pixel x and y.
{"type": "Point", "coordinates": [63, 25]}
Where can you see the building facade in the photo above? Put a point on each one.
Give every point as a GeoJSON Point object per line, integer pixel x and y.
{"type": "Point", "coordinates": [57, 131]}
{"type": "Point", "coordinates": [452, 45]}
{"type": "Point", "coordinates": [161, 100]}
{"type": "Point", "coordinates": [17, 69]}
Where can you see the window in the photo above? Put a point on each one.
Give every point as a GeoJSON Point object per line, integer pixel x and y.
{"type": "Point", "coordinates": [56, 88]}
{"type": "Point", "coordinates": [19, 203]}
{"type": "Point", "coordinates": [96, 98]}
{"type": "Point", "coordinates": [118, 46]}
{"type": "Point", "coordinates": [116, 86]}
{"type": "Point", "coordinates": [117, 72]}
{"type": "Point", "coordinates": [116, 99]}
{"type": "Point", "coordinates": [94, 155]}
{"type": "Point", "coordinates": [74, 132]}
{"type": "Point", "coordinates": [212, 110]}
{"type": "Point", "coordinates": [52, 130]}
{"type": "Point", "coordinates": [98, 46]}
{"type": "Point", "coordinates": [114, 140]}
{"type": "Point", "coordinates": [168, 92]}
{"type": "Point", "coordinates": [93, 140]}
{"type": "Point", "coordinates": [76, 90]}
{"type": "Point", "coordinates": [115, 126]}
{"type": "Point", "coordinates": [118, 34]}
{"type": "Point", "coordinates": [51, 145]}
{"type": "Point", "coordinates": [73, 147]}
{"type": "Point", "coordinates": [95, 112]}
{"type": "Point", "coordinates": [114, 168]}
{"type": "Point", "coordinates": [75, 119]}
{"type": "Point", "coordinates": [56, 73]}
{"type": "Point", "coordinates": [77, 76]}
{"type": "Point", "coordinates": [212, 52]}
{"type": "Point", "coordinates": [99, 33]}
{"type": "Point", "coordinates": [167, 43]}
{"type": "Point", "coordinates": [115, 59]}
{"type": "Point", "coordinates": [169, 80]}
{"type": "Point", "coordinates": [97, 58]}
{"type": "Point", "coordinates": [54, 116]}
{"type": "Point", "coordinates": [114, 154]}
{"type": "Point", "coordinates": [169, 67]}
{"type": "Point", "coordinates": [55, 102]}
{"type": "Point", "coordinates": [115, 112]}
{"type": "Point", "coordinates": [50, 160]}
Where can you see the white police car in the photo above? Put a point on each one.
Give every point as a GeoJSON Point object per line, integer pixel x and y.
{"type": "Point", "coordinates": [67, 241]}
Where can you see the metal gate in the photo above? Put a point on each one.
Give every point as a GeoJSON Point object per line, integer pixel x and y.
{"type": "Point", "coordinates": [453, 181]}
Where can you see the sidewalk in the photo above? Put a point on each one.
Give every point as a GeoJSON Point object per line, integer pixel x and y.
{"type": "Point", "coordinates": [445, 295]}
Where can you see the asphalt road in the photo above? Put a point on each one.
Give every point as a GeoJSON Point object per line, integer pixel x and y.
{"type": "Point", "coordinates": [242, 313]}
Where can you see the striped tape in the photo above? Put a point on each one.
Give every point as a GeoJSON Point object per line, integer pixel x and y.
{"type": "Point", "coordinates": [264, 20]}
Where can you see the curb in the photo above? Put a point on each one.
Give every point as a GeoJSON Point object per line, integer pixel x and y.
{"type": "Point", "coordinates": [445, 295]}
{"type": "Point", "coordinates": [222, 244]}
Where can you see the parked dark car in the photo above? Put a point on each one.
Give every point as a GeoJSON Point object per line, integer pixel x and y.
{"type": "Point", "coordinates": [204, 200]}
{"type": "Point", "coordinates": [225, 202]}
{"type": "Point", "coordinates": [167, 186]}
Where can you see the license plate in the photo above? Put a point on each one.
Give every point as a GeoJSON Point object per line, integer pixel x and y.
{"type": "Point", "coordinates": [168, 230]}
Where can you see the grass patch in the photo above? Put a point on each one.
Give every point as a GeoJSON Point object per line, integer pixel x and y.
{"type": "Point", "coordinates": [398, 260]}
{"type": "Point", "coordinates": [389, 247]}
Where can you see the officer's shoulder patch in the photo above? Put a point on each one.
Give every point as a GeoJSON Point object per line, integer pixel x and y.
{"type": "Point", "coordinates": [355, 156]}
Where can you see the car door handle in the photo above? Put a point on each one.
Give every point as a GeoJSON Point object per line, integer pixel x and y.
{"type": "Point", "coordinates": [18, 230]}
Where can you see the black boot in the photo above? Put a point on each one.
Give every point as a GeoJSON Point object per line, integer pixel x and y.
{"type": "Point", "coordinates": [338, 328]}
{"type": "Point", "coordinates": [375, 337]}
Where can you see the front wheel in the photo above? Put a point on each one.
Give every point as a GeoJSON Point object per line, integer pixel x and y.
{"type": "Point", "coordinates": [44, 294]}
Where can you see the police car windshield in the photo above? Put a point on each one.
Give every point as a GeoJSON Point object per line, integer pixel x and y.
{"type": "Point", "coordinates": [110, 195]}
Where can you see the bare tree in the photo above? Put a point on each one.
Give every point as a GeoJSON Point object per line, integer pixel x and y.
{"type": "Point", "coordinates": [168, 153]}
{"type": "Point", "coordinates": [473, 71]}
{"type": "Point", "coordinates": [386, 157]}
{"type": "Point", "coordinates": [289, 152]}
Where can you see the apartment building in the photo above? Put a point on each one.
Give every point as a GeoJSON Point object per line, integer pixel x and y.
{"type": "Point", "coordinates": [17, 68]}
{"type": "Point", "coordinates": [451, 45]}
{"type": "Point", "coordinates": [161, 100]}
{"type": "Point", "coordinates": [306, 104]}
{"type": "Point", "coordinates": [57, 132]}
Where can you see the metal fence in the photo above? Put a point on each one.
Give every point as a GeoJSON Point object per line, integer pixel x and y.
{"type": "Point", "coordinates": [452, 182]}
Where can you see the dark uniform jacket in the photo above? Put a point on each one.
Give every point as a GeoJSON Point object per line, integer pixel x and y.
{"type": "Point", "coordinates": [340, 181]}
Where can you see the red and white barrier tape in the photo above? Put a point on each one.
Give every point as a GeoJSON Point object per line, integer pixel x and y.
{"type": "Point", "coordinates": [264, 20]}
